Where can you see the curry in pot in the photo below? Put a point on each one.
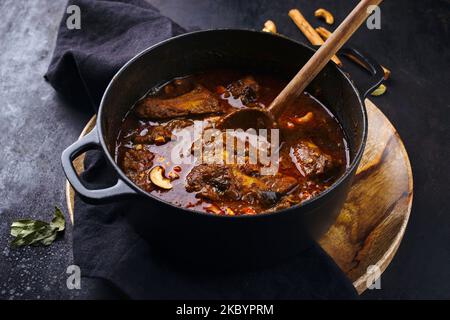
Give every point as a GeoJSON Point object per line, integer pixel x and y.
{"type": "Point", "coordinates": [311, 147]}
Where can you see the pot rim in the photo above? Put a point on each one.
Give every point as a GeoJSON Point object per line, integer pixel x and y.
{"type": "Point", "coordinates": [353, 164]}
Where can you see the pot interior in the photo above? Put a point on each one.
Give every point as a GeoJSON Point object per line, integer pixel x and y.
{"type": "Point", "coordinates": [236, 49]}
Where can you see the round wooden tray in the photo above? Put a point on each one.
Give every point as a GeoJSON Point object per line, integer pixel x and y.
{"type": "Point", "coordinates": [371, 225]}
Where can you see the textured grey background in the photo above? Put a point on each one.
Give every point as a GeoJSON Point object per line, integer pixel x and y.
{"type": "Point", "coordinates": [36, 126]}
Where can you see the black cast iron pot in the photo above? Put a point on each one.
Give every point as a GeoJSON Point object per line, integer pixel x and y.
{"type": "Point", "coordinates": [205, 238]}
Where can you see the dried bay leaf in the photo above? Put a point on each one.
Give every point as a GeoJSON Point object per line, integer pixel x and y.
{"type": "Point", "coordinates": [58, 221]}
{"type": "Point", "coordinates": [36, 232]}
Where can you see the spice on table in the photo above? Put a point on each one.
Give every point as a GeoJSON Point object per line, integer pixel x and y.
{"type": "Point", "coordinates": [309, 32]}
{"type": "Point", "coordinates": [35, 232]}
{"type": "Point", "coordinates": [324, 14]}
{"type": "Point", "coordinates": [269, 26]}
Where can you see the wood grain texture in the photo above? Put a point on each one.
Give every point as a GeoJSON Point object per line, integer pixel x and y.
{"type": "Point", "coordinates": [371, 225]}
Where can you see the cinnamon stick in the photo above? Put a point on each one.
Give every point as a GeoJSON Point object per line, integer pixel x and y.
{"type": "Point", "coordinates": [325, 34]}
{"type": "Point", "coordinates": [309, 32]}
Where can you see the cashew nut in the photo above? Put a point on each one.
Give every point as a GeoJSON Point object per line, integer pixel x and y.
{"type": "Point", "coordinates": [269, 26]}
{"type": "Point", "coordinates": [158, 179]}
{"type": "Point", "coordinates": [306, 118]}
{"type": "Point", "coordinates": [325, 14]}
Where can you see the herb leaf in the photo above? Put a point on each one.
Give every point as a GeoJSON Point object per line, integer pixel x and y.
{"type": "Point", "coordinates": [379, 91]}
{"type": "Point", "coordinates": [36, 232]}
{"type": "Point", "coordinates": [33, 236]}
{"type": "Point", "coordinates": [25, 225]}
{"type": "Point", "coordinates": [58, 220]}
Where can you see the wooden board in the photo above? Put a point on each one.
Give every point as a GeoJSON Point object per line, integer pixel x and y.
{"type": "Point", "coordinates": [371, 225]}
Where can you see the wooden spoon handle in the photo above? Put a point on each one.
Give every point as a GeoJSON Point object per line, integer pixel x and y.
{"type": "Point", "coordinates": [318, 61]}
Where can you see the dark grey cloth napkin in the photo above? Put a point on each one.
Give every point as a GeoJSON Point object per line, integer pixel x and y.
{"type": "Point", "coordinates": [115, 261]}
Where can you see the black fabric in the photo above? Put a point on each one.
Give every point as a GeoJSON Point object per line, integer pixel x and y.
{"type": "Point", "coordinates": [105, 245]}
{"type": "Point", "coordinates": [111, 33]}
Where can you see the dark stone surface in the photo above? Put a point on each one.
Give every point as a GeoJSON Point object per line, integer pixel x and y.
{"type": "Point", "coordinates": [36, 126]}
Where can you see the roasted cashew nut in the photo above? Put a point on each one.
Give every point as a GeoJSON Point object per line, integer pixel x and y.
{"type": "Point", "coordinates": [305, 119]}
{"type": "Point", "coordinates": [324, 14]}
{"type": "Point", "coordinates": [157, 177]}
{"type": "Point", "coordinates": [269, 26]}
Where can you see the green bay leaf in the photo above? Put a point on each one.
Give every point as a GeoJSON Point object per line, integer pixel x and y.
{"type": "Point", "coordinates": [36, 232]}
{"type": "Point", "coordinates": [26, 238]}
{"type": "Point", "coordinates": [58, 221]}
{"type": "Point", "coordinates": [26, 226]}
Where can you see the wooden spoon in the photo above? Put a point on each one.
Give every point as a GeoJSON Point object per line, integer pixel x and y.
{"type": "Point", "coordinates": [266, 118]}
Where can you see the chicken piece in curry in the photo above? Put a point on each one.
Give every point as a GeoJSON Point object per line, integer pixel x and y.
{"type": "Point", "coordinates": [312, 149]}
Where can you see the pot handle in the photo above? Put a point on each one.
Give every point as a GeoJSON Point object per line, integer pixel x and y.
{"type": "Point", "coordinates": [89, 142]}
{"type": "Point", "coordinates": [368, 63]}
